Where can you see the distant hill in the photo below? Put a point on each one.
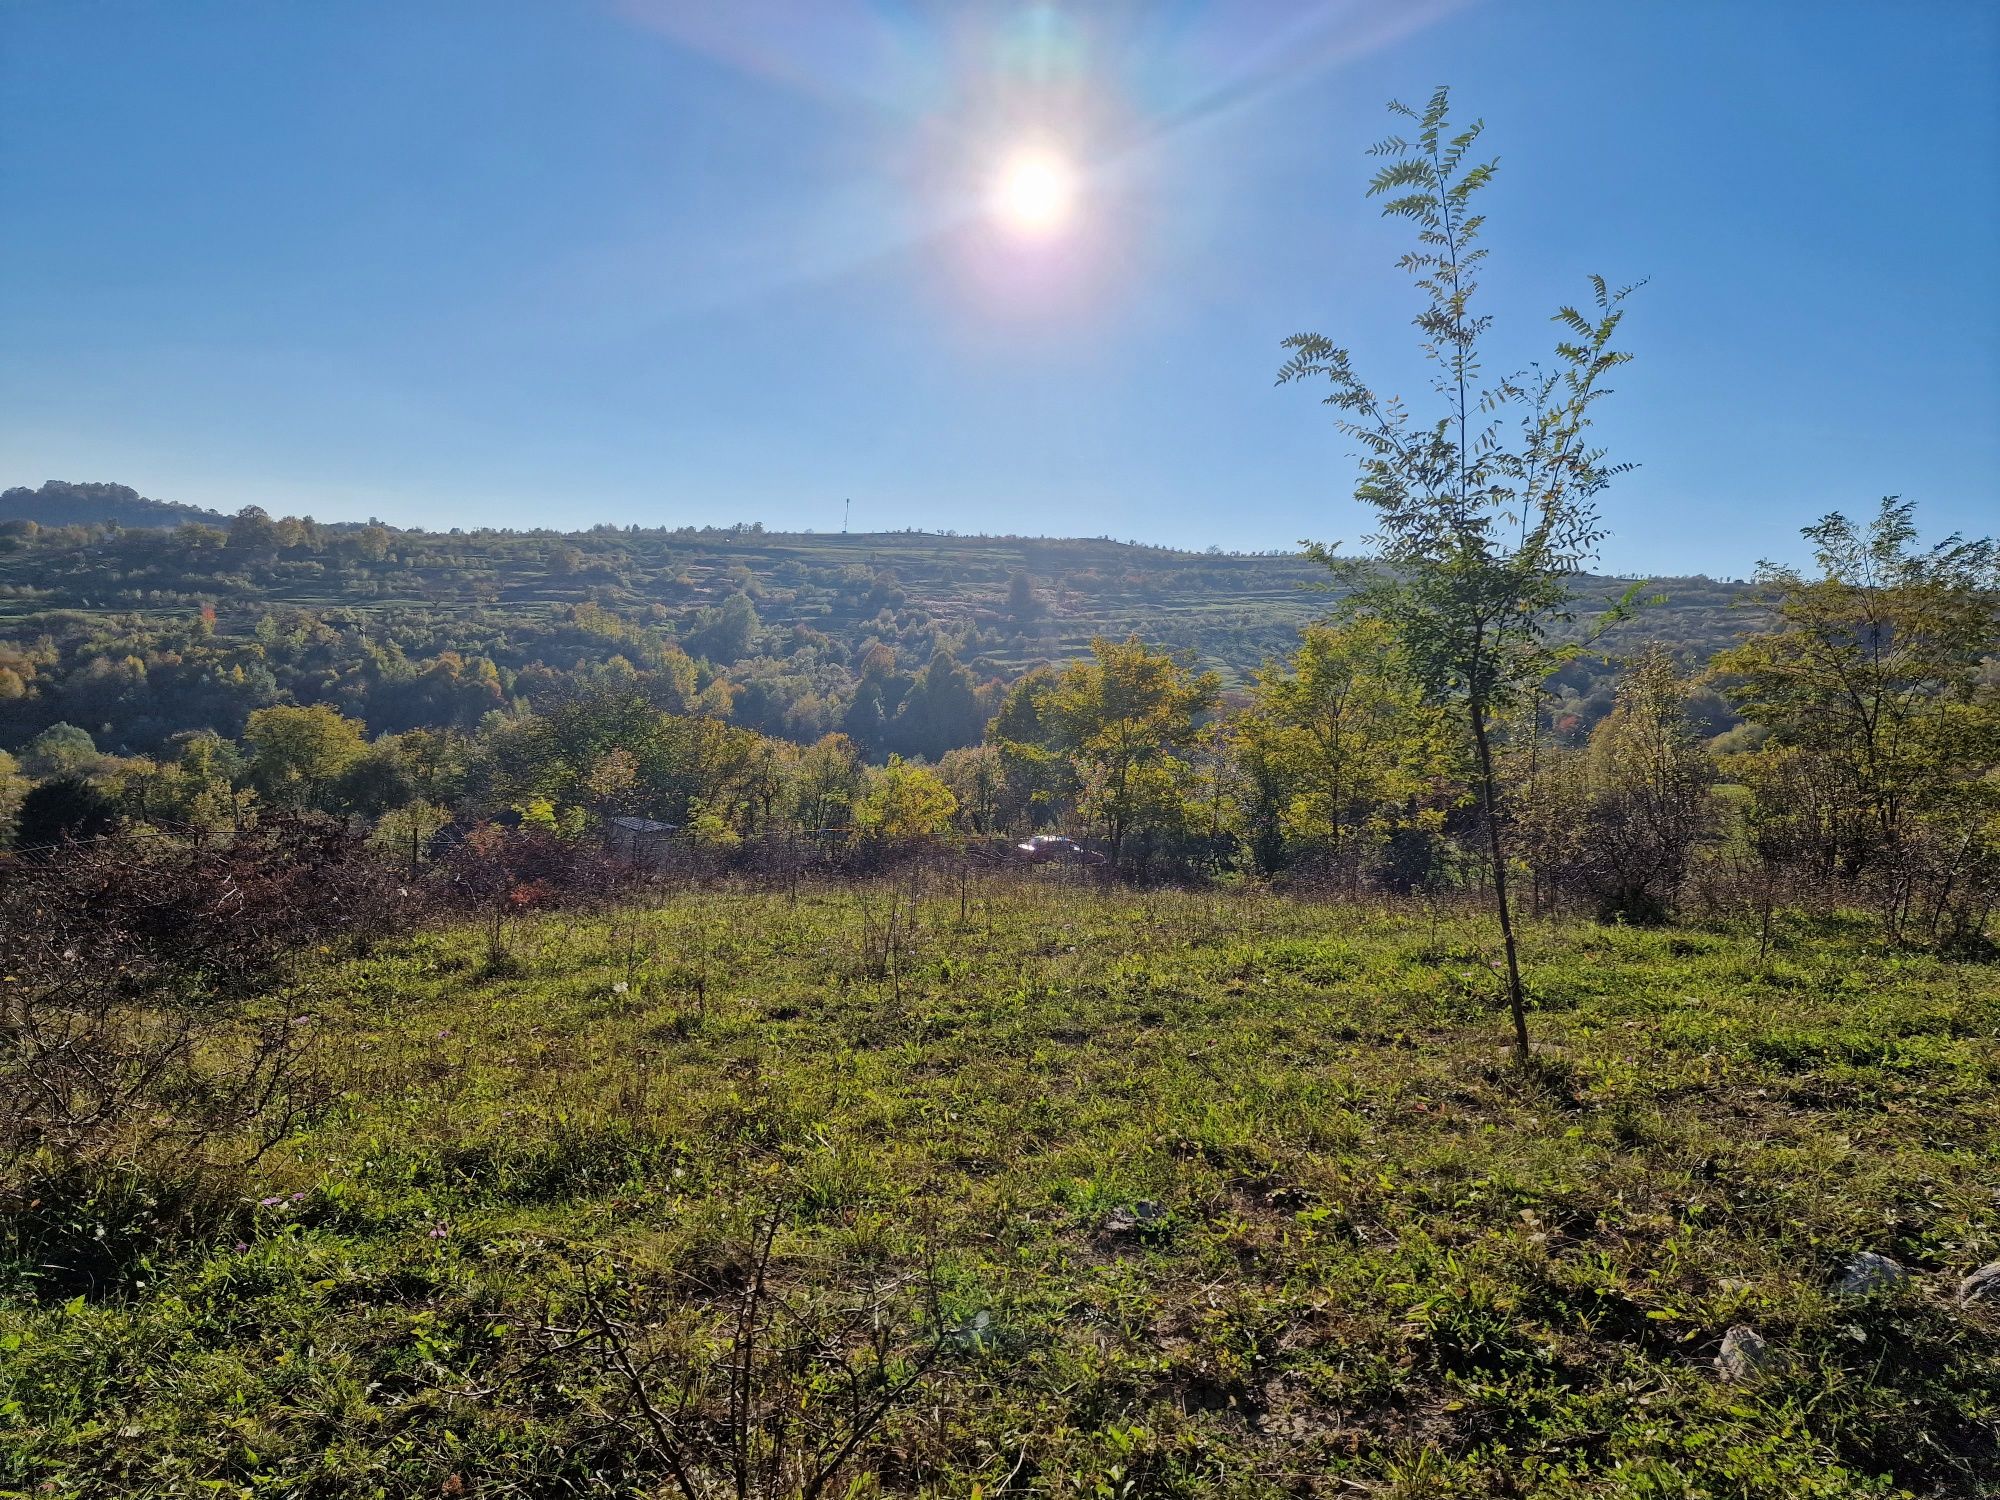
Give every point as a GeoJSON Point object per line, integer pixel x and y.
{"type": "Point", "coordinates": [154, 633]}
{"type": "Point", "coordinates": [59, 502]}
{"type": "Point", "coordinates": [1235, 611]}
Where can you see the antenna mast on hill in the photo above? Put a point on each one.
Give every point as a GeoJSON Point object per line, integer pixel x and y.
{"type": "Point", "coordinates": [846, 509]}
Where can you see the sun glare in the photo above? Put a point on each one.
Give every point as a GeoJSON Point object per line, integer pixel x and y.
{"type": "Point", "coordinates": [1033, 193]}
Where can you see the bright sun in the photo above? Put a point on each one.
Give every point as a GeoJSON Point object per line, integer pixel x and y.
{"type": "Point", "coordinates": [1033, 192]}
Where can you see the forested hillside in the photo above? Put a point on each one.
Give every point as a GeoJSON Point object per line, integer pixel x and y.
{"type": "Point", "coordinates": [141, 633]}
{"type": "Point", "coordinates": [61, 503]}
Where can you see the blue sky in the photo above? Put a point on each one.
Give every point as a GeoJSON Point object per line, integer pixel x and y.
{"type": "Point", "coordinates": [526, 262]}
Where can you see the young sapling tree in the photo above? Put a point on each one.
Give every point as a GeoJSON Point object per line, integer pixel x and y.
{"type": "Point", "coordinates": [1486, 512]}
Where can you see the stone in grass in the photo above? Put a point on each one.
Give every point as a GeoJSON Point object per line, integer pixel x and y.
{"type": "Point", "coordinates": [1744, 1354]}
{"type": "Point", "coordinates": [1983, 1285]}
{"type": "Point", "coordinates": [1143, 1218]}
{"type": "Point", "coordinates": [1869, 1272]}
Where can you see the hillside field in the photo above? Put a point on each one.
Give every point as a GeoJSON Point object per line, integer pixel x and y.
{"type": "Point", "coordinates": [1185, 1194]}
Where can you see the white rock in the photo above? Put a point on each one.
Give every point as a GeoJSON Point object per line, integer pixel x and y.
{"type": "Point", "coordinates": [1744, 1354]}
{"type": "Point", "coordinates": [1869, 1272]}
{"type": "Point", "coordinates": [1983, 1285]}
{"type": "Point", "coordinates": [1133, 1222]}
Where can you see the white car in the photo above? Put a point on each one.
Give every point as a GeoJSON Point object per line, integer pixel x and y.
{"type": "Point", "coordinates": [1049, 848]}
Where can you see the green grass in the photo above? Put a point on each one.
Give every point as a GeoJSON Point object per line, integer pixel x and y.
{"type": "Point", "coordinates": [1374, 1259]}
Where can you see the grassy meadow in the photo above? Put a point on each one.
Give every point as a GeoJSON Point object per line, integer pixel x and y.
{"type": "Point", "coordinates": [1142, 1193]}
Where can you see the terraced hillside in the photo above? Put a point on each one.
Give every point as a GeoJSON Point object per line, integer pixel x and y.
{"type": "Point", "coordinates": [1233, 611]}
{"type": "Point", "coordinates": [112, 628]}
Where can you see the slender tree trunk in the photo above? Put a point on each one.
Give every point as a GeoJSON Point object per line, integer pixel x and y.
{"type": "Point", "coordinates": [1490, 804]}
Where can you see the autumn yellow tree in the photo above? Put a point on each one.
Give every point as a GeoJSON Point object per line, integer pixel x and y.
{"type": "Point", "coordinates": [297, 753]}
{"type": "Point", "coordinates": [905, 803]}
{"type": "Point", "coordinates": [1126, 718]}
{"type": "Point", "coordinates": [1337, 738]}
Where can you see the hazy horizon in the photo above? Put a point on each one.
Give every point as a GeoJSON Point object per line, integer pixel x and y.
{"type": "Point", "coordinates": [583, 528]}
